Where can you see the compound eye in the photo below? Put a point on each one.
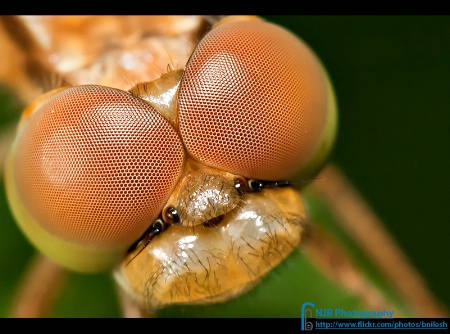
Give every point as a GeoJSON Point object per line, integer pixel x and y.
{"type": "Point", "coordinates": [255, 101]}
{"type": "Point", "coordinates": [93, 166]}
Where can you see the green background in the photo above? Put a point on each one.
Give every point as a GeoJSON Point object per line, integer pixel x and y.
{"type": "Point", "coordinates": [392, 80]}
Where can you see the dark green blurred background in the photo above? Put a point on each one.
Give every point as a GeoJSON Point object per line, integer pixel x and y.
{"type": "Point", "coordinates": [392, 80]}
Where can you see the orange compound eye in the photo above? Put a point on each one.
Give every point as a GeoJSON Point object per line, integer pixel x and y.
{"type": "Point", "coordinates": [95, 165]}
{"type": "Point", "coordinates": [254, 101]}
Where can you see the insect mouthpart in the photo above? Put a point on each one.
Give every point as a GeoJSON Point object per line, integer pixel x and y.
{"type": "Point", "coordinates": [191, 265]}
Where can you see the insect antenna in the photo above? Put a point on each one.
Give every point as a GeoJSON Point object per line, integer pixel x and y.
{"type": "Point", "coordinates": [156, 228]}
{"type": "Point", "coordinates": [257, 185]}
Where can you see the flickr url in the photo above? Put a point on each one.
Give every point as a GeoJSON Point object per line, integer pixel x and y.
{"type": "Point", "coordinates": [379, 323]}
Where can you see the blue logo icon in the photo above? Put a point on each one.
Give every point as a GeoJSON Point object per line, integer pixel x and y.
{"type": "Point", "coordinates": [307, 313]}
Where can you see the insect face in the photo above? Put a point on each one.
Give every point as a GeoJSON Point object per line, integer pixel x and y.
{"type": "Point", "coordinates": [165, 166]}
